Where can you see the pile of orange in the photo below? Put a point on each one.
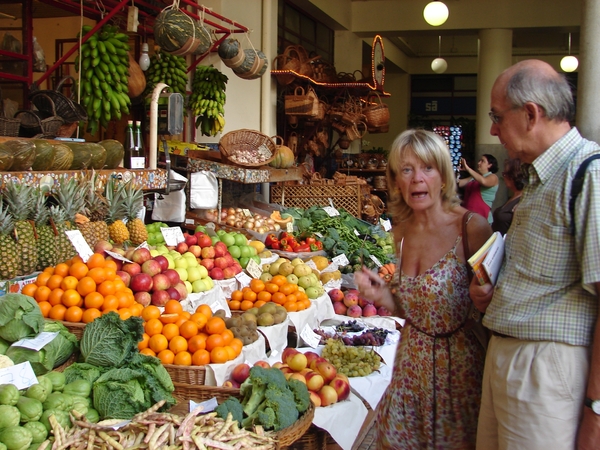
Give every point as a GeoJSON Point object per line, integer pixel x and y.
{"type": "Point", "coordinates": [75, 291]}
{"type": "Point", "coordinates": [178, 337]}
{"type": "Point", "coordinates": [278, 290]}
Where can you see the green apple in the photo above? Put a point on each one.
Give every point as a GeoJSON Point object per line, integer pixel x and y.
{"type": "Point", "coordinates": [200, 228]}
{"type": "Point", "coordinates": [199, 286]}
{"type": "Point", "coordinates": [235, 251]}
{"type": "Point", "coordinates": [154, 252]}
{"type": "Point", "coordinates": [171, 261]}
{"type": "Point", "coordinates": [312, 292]}
{"type": "Point", "coordinates": [182, 263]}
{"type": "Point", "coordinates": [244, 261]}
{"type": "Point", "coordinates": [246, 251]}
{"type": "Point", "coordinates": [240, 239]}
{"type": "Point", "coordinates": [266, 277]}
{"type": "Point", "coordinates": [194, 274]}
{"type": "Point", "coordinates": [256, 259]}
{"type": "Point", "coordinates": [188, 286]}
{"type": "Point", "coordinates": [228, 239]}
{"type": "Point", "coordinates": [304, 282]}
{"type": "Point", "coordinates": [214, 239]}
{"type": "Point", "coordinates": [183, 273]}
{"type": "Point", "coordinates": [297, 261]}
{"type": "Point", "coordinates": [203, 271]}
{"type": "Point", "coordinates": [221, 232]}
{"type": "Point", "coordinates": [209, 283]}
{"type": "Point", "coordinates": [291, 278]}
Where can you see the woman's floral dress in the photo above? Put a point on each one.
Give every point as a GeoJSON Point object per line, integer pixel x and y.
{"type": "Point", "coordinates": [433, 399]}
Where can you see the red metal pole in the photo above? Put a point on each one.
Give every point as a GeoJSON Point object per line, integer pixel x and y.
{"type": "Point", "coordinates": [106, 18]}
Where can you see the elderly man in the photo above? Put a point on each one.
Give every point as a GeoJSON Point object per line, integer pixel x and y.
{"type": "Point", "coordinates": [541, 385]}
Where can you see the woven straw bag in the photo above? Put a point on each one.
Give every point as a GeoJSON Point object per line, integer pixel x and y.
{"type": "Point", "coordinates": [302, 103]}
{"type": "Point", "coordinates": [377, 113]}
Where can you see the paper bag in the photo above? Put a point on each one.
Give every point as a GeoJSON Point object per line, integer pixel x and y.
{"type": "Point", "coordinates": [204, 190]}
{"type": "Point", "coordinates": [173, 205]}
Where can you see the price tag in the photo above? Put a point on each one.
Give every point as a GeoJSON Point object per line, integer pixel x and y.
{"type": "Point", "coordinates": [331, 211]}
{"type": "Point", "coordinates": [189, 221]}
{"type": "Point", "coordinates": [243, 278]}
{"type": "Point", "coordinates": [81, 246]}
{"type": "Point", "coordinates": [172, 235]}
{"type": "Point", "coordinates": [310, 263]}
{"type": "Point", "coordinates": [210, 229]}
{"type": "Point", "coordinates": [21, 375]}
{"type": "Point", "coordinates": [254, 269]}
{"type": "Point", "coordinates": [117, 256]}
{"type": "Point", "coordinates": [330, 268]}
{"type": "Point", "coordinates": [341, 260]}
{"type": "Point", "coordinates": [375, 260]}
{"type": "Point", "coordinates": [311, 338]}
{"type": "Point", "coordinates": [386, 224]}
{"type": "Point", "coordinates": [356, 232]}
{"type": "Point", "coordinates": [38, 342]}
{"type": "Point", "coordinates": [143, 245]}
{"type": "Point", "coordinates": [289, 227]}
{"type": "Point", "coordinates": [207, 406]}
{"type": "Point", "coordinates": [264, 151]}
{"type": "Point", "coordinates": [247, 212]}
{"type": "Point", "coordinates": [319, 235]}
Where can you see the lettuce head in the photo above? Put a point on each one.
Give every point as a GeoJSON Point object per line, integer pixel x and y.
{"type": "Point", "coordinates": [20, 317]}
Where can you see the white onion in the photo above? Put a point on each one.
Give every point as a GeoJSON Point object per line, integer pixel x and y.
{"type": "Point", "coordinates": [248, 224]}
{"type": "Point", "coordinates": [239, 210]}
{"type": "Point", "coordinates": [277, 227]}
{"type": "Point", "coordinates": [271, 227]}
{"type": "Point", "coordinates": [230, 222]}
{"type": "Point", "coordinates": [230, 211]}
{"type": "Point", "coordinates": [262, 230]}
{"type": "Point", "coordinates": [270, 221]}
{"type": "Point", "coordinates": [239, 223]}
{"type": "Point", "coordinates": [259, 222]}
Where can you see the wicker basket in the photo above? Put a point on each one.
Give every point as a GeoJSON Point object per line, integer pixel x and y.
{"type": "Point", "coordinates": [247, 148]}
{"type": "Point", "coordinates": [377, 114]}
{"type": "Point", "coordinates": [39, 122]}
{"type": "Point", "coordinates": [8, 126]}
{"type": "Point", "coordinates": [75, 328]}
{"type": "Point", "coordinates": [305, 196]}
{"type": "Point", "coordinates": [48, 100]}
{"type": "Point", "coordinates": [302, 103]}
{"type": "Point", "coordinates": [187, 375]}
{"type": "Point", "coordinates": [285, 437]}
{"type": "Point", "coordinates": [67, 363]}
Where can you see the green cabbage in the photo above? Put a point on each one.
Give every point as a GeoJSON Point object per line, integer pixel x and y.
{"type": "Point", "coordinates": [39, 361]}
{"type": "Point", "coordinates": [20, 317]}
{"type": "Point", "coordinates": [82, 371]}
{"type": "Point", "coordinates": [109, 341]}
{"type": "Point", "coordinates": [62, 346]}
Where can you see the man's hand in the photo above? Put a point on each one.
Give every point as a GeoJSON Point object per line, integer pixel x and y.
{"type": "Point", "coordinates": [589, 431]}
{"type": "Point", "coordinates": [481, 294]}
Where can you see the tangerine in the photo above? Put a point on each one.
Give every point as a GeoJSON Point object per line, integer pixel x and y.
{"type": "Point", "coordinates": [264, 296]}
{"type": "Point", "coordinates": [249, 296]}
{"type": "Point", "coordinates": [111, 264]}
{"type": "Point", "coordinates": [74, 314]}
{"type": "Point", "coordinates": [57, 312]}
{"type": "Point", "coordinates": [96, 260]}
{"type": "Point", "coordinates": [196, 343]}
{"type": "Point", "coordinates": [54, 281]}
{"type": "Point", "coordinates": [271, 288]}
{"type": "Point", "coordinates": [219, 355]}
{"type": "Point", "coordinates": [124, 313]}
{"type": "Point", "coordinates": [93, 300]}
{"type": "Point", "coordinates": [183, 359]}
{"type": "Point", "coordinates": [201, 357]}
{"type": "Point", "coordinates": [205, 309]}
{"type": "Point", "coordinates": [153, 327]}
{"type": "Point", "coordinates": [136, 309]}
{"type": "Point", "coordinates": [42, 293]}
{"type": "Point", "coordinates": [150, 312]}
{"type": "Point", "coordinates": [42, 278]}
{"type": "Point", "coordinates": [228, 336]}
{"type": "Point", "coordinates": [29, 289]}
{"type": "Point", "coordinates": [71, 298]}
{"type": "Point", "coordinates": [234, 304]}
{"type": "Point", "coordinates": [69, 282]}
{"type": "Point", "coordinates": [90, 314]}
{"type": "Point", "coordinates": [214, 340]}
{"type": "Point", "coordinates": [169, 318]}
{"type": "Point", "coordinates": [97, 274]}
{"type": "Point", "coordinates": [78, 270]}
{"type": "Point", "coordinates": [110, 302]}
{"type": "Point", "coordinates": [61, 269]}
{"type": "Point", "coordinates": [123, 298]}
{"type": "Point", "coordinates": [178, 344]}
{"type": "Point", "coordinates": [199, 319]}
{"type": "Point", "coordinates": [246, 305]}
{"type": "Point", "coordinates": [279, 298]}
{"type": "Point", "coordinates": [45, 307]}
{"type": "Point", "coordinates": [215, 325]}
{"type": "Point", "coordinates": [237, 295]}
{"type": "Point", "coordinates": [188, 329]}
{"type": "Point", "coordinates": [110, 273]}
{"type": "Point", "coordinates": [236, 344]}
{"type": "Point", "coordinates": [291, 298]}
{"type": "Point", "coordinates": [259, 303]}
{"type": "Point", "coordinates": [55, 296]}
{"type": "Point", "coordinates": [158, 343]}
{"type": "Point", "coordinates": [257, 285]}
{"type": "Point", "coordinates": [290, 306]}
{"type": "Point", "coordinates": [170, 330]}
{"type": "Point", "coordinates": [288, 288]}
{"type": "Point", "coordinates": [279, 280]}
{"type": "Point", "coordinates": [49, 270]}
{"type": "Point", "coordinates": [173, 307]}
{"type": "Point", "coordinates": [144, 342]}
{"type": "Point", "coordinates": [148, 352]}
{"type": "Point", "coordinates": [166, 356]}
{"type": "Point", "coordinates": [230, 352]}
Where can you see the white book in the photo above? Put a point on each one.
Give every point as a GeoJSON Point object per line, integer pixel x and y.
{"type": "Point", "coordinates": [487, 261]}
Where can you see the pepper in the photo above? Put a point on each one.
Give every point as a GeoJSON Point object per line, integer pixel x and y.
{"type": "Point", "coordinates": [319, 245]}
{"type": "Point", "coordinates": [310, 240]}
{"type": "Point", "coordinates": [314, 248]}
{"type": "Point", "coordinates": [270, 239]}
{"type": "Point", "coordinates": [275, 245]}
{"type": "Point", "coordinates": [303, 248]}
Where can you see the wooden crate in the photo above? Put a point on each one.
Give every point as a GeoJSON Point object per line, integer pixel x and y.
{"type": "Point", "coordinates": [306, 195]}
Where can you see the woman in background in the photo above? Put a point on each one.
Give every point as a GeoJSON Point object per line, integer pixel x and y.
{"type": "Point", "coordinates": [480, 186]}
{"type": "Point", "coordinates": [433, 399]}
{"type": "Point", "coordinates": [515, 181]}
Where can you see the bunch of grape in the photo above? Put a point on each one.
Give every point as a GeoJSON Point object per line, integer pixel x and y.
{"type": "Point", "coordinates": [351, 361]}
{"type": "Point", "coordinates": [351, 325]}
{"type": "Point", "coordinates": [373, 337]}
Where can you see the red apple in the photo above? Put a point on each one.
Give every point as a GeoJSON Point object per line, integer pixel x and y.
{"type": "Point", "coordinates": [342, 388]}
{"type": "Point", "coordinates": [209, 263]}
{"type": "Point", "coordinates": [204, 240]}
{"type": "Point", "coordinates": [221, 262]}
{"type": "Point", "coordinates": [328, 395]}
{"type": "Point", "coordinates": [131, 268]}
{"type": "Point", "coordinates": [101, 246]}
{"type": "Point", "coordinates": [297, 362]}
{"type": "Point", "coordinates": [183, 292]}
{"type": "Point", "coordinates": [151, 267]}
{"type": "Point", "coordinates": [141, 255]}
{"type": "Point", "coordinates": [173, 276]}
{"type": "Point", "coordinates": [237, 267]}
{"type": "Point", "coordinates": [336, 295]}
{"type": "Point", "coordinates": [124, 276]}
{"type": "Point", "coordinates": [160, 298]}
{"type": "Point", "coordinates": [141, 282]}
{"type": "Point", "coordinates": [128, 253]}
{"type": "Point", "coordinates": [208, 252]}
{"type": "Point", "coordinates": [314, 381]}
{"type": "Point", "coordinates": [195, 250]}
{"type": "Point", "coordinates": [143, 298]}
{"type": "Point", "coordinates": [190, 239]}
{"type": "Point", "coordinates": [315, 399]}
{"type": "Point", "coordinates": [220, 249]}
{"type": "Point", "coordinates": [229, 272]}
{"type": "Point", "coordinates": [182, 247]}
{"type": "Point", "coordinates": [160, 282]}
{"type": "Point", "coordinates": [327, 370]}
{"type": "Point", "coordinates": [240, 373]}
{"type": "Point", "coordinates": [264, 364]}
{"type": "Point", "coordinates": [229, 258]}
{"type": "Point", "coordinates": [216, 274]}
{"type": "Point", "coordinates": [174, 293]}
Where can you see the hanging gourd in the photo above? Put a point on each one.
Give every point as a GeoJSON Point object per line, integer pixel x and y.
{"type": "Point", "coordinates": [179, 34]}
{"type": "Point", "coordinates": [248, 64]}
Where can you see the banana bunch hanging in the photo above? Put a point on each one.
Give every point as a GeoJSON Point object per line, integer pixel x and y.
{"type": "Point", "coordinates": [168, 69]}
{"type": "Point", "coordinates": [104, 76]}
{"type": "Point", "coordinates": [207, 99]}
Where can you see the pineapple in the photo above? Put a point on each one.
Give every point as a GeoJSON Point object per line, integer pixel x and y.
{"type": "Point", "coordinates": [63, 245]}
{"type": "Point", "coordinates": [9, 254]}
{"type": "Point", "coordinates": [116, 212]}
{"type": "Point", "coordinates": [70, 198]}
{"type": "Point", "coordinates": [92, 224]}
{"type": "Point", "coordinates": [134, 203]}
{"type": "Point", "coordinates": [46, 234]}
{"type": "Point", "coordinates": [19, 199]}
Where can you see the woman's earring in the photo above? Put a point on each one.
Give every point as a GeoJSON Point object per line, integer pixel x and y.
{"type": "Point", "coordinates": [443, 186]}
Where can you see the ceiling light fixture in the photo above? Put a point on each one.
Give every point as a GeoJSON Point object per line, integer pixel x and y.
{"type": "Point", "coordinates": [439, 64]}
{"type": "Point", "coordinates": [435, 13]}
{"type": "Point", "coordinates": [569, 63]}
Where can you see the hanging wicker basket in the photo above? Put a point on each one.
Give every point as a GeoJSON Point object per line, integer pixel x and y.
{"type": "Point", "coordinates": [38, 122]}
{"type": "Point", "coordinates": [377, 114]}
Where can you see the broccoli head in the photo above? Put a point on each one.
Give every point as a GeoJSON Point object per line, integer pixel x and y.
{"type": "Point", "coordinates": [231, 405]}
{"type": "Point", "coordinates": [301, 395]}
{"type": "Point", "coordinates": [277, 411]}
{"type": "Point", "coordinates": [254, 388]}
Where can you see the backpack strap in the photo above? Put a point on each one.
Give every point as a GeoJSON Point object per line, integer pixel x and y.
{"type": "Point", "coordinates": [576, 187]}
{"type": "Point", "coordinates": [465, 240]}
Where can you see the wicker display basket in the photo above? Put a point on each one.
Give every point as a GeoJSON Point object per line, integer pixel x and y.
{"type": "Point", "coordinates": [75, 328]}
{"type": "Point", "coordinates": [8, 126]}
{"type": "Point", "coordinates": [305, 196]}
{"type": "Point", "coordinates": [247, 148]}
{"type": "Point", "coordinates": [377, 114]}
{"type": "Point", "coordinates": [48, 100]}
{"type": "Point", "coordinates": [37, 122]}
{"type": "Point", "coordinates": [285, 437]}
{"type": "Point", "coordinates": [187, 375]}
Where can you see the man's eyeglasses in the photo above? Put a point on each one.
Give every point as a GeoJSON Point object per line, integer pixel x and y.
{"type": "Point", "coordinates": [496, 117]}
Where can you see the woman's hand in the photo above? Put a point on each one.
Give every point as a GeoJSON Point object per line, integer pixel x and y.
{"type": "Point", "coordinates": [371, 286]}
{"type": "Point", "coordinates": [464, 165]}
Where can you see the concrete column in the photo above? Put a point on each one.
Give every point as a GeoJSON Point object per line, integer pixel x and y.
{"type": "Point", "coordinates": [588, 87]}
{"type": "Point", "coordinates": [495, 55]}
